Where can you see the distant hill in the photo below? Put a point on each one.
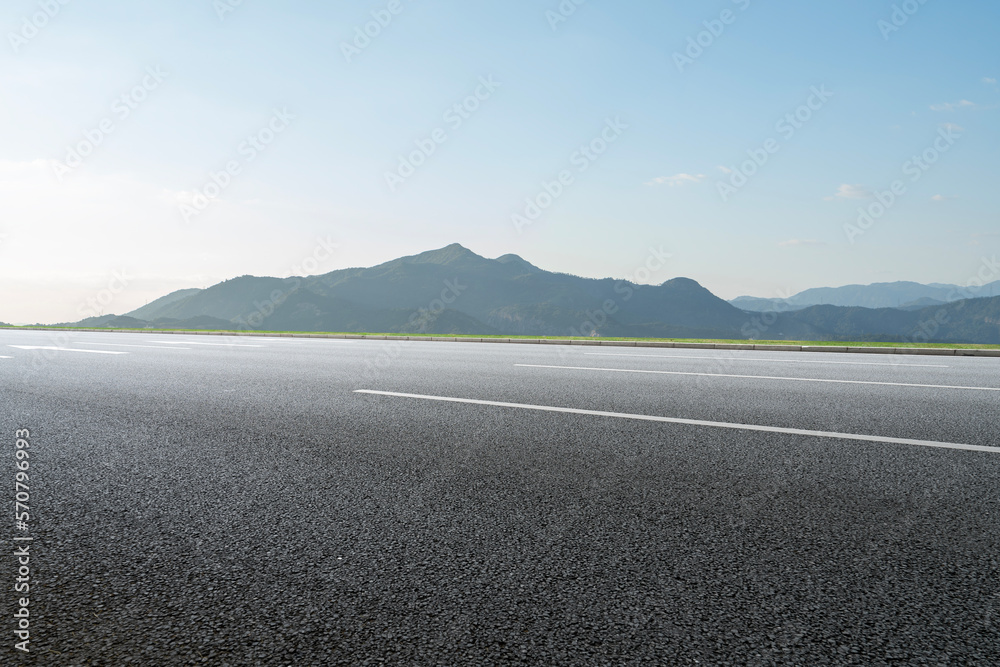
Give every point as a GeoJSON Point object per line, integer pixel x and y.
{"type": "Point", "coordinates": [129, 322]}
{"type": "Point", "coordinates": [764, 305]}
{"type": "Point", "coordinates": [924, 302]}
{"type": "Point", "coordinates": [965, 321]}
{"type": "Point", "coordinates": [150, 309]}
{"type": "Point", "coordinates": [453, 290]}
{"type": "Point", "coordinates": [900, 294]}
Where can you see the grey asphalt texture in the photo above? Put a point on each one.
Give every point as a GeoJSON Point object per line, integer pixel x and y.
{"type": "Point", "coordinates": [235, 505]}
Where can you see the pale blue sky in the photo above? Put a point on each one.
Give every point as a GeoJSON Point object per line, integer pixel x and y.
{"type": "Point", "coordinates": [66, 231]}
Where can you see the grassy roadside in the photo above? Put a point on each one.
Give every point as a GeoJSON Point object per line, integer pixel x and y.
{"type": "Point", "coordinates": [831, 343]}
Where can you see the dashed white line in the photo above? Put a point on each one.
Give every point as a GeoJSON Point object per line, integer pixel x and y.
{"type": "Point", "coordinates": [761, 377]}
{"type": "Point", "coordinates": [320, 340]}
{"type": "Point", "coordinates": [188, 342]}
{"type": "Point", "coordinates": [63, 349]}
{"type": "Point", "coordinates": [693, 422]}
{"type": "Point", "coordinates": [786, 361]}
{"type": "Point", "coordinates": [148, 347]}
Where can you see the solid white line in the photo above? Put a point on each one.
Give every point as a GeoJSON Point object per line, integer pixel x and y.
{"type": "Point", "coordinates": [693, 422]}
{"type": "Point", "coordinates": [63, 349]}
{"type": "Point", "coordinates": [786, 361]}
{"type": "Point", "coordinates": [189, 342]}
{"type": "Point", "coordinates": [148, 347]}
{"type": "Point", "coordinates": [762, 377]}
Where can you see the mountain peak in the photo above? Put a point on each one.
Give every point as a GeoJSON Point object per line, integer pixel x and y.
{"type": "Point", "coordinates": [682, 282]}
{"type": "Point", "coordinates": [518, 261]}
{"type": "Point", "coordinates": [446, 255]}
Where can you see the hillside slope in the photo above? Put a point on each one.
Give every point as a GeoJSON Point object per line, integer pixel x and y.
{"type": "Point", "coordinates": [452, 290]}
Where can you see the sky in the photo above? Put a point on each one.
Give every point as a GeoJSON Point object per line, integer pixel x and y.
{"type": "Point", "coordinates": [767, 147]}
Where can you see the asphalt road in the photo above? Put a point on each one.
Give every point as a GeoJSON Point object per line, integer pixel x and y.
{"type": "Point", "coordinates": [209, 500]}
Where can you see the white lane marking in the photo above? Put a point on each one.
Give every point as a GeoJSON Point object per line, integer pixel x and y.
{"type": "Point", "coordinates": [763, 377]}
{"type": "Point", "coordinates": [310, 340]}
{"type": "Point", "coordinates": [785, 361]}
{"type": "Point", "coordinates": [188, 342]}
{"type": "Point", "coordinates": [693, 422]}
{"type": "Point", "coordinates": [148, 347]}
{"type": "Point", "coordinates": [63, 349]}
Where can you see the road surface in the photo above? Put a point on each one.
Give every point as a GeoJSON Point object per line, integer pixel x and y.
{"type": "Point", "coordinates": [233, 500]}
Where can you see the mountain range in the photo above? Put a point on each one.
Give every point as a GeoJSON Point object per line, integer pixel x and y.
{"type": "Point", "coordinates": [902, 294]}
{"type": "Point", "coordinates": [452, 290]}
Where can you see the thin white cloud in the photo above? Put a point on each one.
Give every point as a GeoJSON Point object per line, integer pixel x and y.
{"type": "Point", "coordinates": [849, 191]}
{"type": "Point", "coordinates": [984, 237]}
{"type": "Point", "coordinates": [953, 106]}
{"type": "Point", "coordinates": [797, 243]}
{"type": "Point", "coordinates": [942, 197]}
{"type": "Point", "coordinates": [725, 170]}
{"type": "Point", "coordinates": [953, 127]}
{"type": "Point", "coordinates": [990, 80]}
{"type": "Point", "coordinates": [677, 179]}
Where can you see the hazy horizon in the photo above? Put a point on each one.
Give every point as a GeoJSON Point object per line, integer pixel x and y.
{"type": "Point", "coordinates": [93, 307]}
